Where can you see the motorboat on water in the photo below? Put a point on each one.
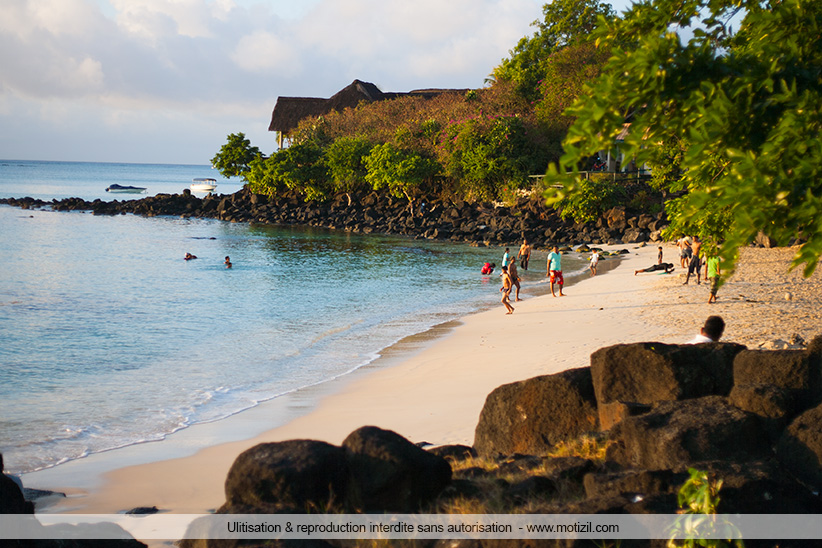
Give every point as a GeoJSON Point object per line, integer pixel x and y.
{"type": "Point", "coordinates": [125, 189]}
{"type": "Point", "coordinates": [204, 185]}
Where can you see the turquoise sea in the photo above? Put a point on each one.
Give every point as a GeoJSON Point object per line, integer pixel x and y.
{"type": "Point", "coordinates": [110, 338]}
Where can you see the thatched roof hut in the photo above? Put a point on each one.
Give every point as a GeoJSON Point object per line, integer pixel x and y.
{"type": "Point", "coordinates": [290, 110]}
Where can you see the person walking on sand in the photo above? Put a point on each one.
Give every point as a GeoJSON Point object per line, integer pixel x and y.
{"type": "Point", "coordinates": [506, 290]}
{"type": "Point", "coordinates": [228, 262]}
{"type": "Point", "coordinates": [524, 254]}
{"type": "Point", "coordinates": [694, 267]}
{"type": "Point", "coordinates": [555, 270]}
{"type": "Point", "coordinates": [712, 274]}
{"type": "Point", "coordinates": [594, 262]}
{"type": "Point", "coordinates": [711, 332]}
{"type": "Point", "coordinates": [514, 275]}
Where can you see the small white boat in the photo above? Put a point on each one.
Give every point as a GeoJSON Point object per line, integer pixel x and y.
{"type": "Point", "coordinates": [125, 189]}
{"type": "Point", "coordinates": [204, 185]}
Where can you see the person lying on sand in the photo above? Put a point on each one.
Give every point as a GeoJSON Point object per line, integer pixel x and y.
{"type": "Point", "coordinates": [667, 267]}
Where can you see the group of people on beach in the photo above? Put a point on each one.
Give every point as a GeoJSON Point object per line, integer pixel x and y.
{"type": "Point", "coordinates": [510, 274]}
{"type": "Point", "coordinates": [227, 262]}
{"type": "Point", "coordinates": [692, 256]}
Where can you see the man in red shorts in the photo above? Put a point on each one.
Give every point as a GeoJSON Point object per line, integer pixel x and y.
{"type": "Point", "coordinates": [555, 270]}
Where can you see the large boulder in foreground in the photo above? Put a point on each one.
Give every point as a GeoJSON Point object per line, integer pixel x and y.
{"type": "Point", "coordinates": [774, 405]}
{"type": "Point", "coordinates": [12, 500]}
{"type": "Point", "coordinates": [646, 373]}
{"type": "Point", "coordinates": [303, 473]}
{"type": "Point", "coordinates": [676, 434]}
{"type": "Point", "coordinates": [531, 416]}
{"type": "Point", "coordinates": [800, 447]}
{"type": "Point", "coordinates": [389, 473]}
{"type": "Point", "coordinates": [794, 370]}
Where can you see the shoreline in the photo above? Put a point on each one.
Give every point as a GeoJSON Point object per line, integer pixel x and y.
{"type": "Point", "coordinates": [435, 394]}
{"type": "Point", "coordinates": [284, 407]}
{"type": "Point", "coordinates": [91, 483]}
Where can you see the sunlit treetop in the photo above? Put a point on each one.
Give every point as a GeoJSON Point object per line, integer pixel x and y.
{"type": "Point", "coordinates": [738, 86]}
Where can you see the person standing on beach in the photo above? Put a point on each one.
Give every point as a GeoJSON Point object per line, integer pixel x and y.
{"type": "Point", "coordinates": [555, 270]}
{"type": "Point", "coordinates": [506, 290]}
{"type": "Point", "coordinates": [594, 262]}
{"type": "Point", "coordinates": [505, 258]}
{"type": "Point", "coordinates": [684, 251]}
{"type": "Point", "coordinates": [694, 267]}
{"type": "Point", "coordinates": [524, 254]}
{"type": "Point", "coordinates": [712, 274]}
{"type": "Point", "coordinates": [659, 256]}
{"type": "Point", "coordinates": [514, 275]}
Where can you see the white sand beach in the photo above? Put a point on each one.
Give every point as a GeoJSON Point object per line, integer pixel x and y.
{"type": "Point", "coordinates": [435, 394]}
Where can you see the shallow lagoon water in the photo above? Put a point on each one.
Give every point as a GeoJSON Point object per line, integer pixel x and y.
{"type": "Point", "coordinates": [110, 338]}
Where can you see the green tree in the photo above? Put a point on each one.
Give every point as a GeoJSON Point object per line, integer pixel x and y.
{"type": "Point", "coordinates": [346, 164]}
{"type": "Point", "coordinates": [235, 156]}
{"type": "Point", "coordinates": [299, 168]}
{"type": "Point", "coordinates": [401, 172]}
{"type": "Point", "coordinates": [488, 154]}
{"type": "Point", "coordinates": [566, 73]}
{"type": "Point", "coordinates": [565, 22]}
{"type": "Point", "coordinates": [748, 105]}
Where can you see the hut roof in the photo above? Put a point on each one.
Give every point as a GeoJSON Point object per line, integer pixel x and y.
{"type": "Point", "coordinates": [290, 110]}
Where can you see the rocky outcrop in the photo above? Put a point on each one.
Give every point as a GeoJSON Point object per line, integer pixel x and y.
{"type": "Point", "coordinates": [373, 470]}
{"type": "Point", "coordinates": [800, 447]}
{"type": "Point", "coordinates": [797, 371]}
{"type": "Point", "coordinates": [483, 223]}
{"type": "Point", "coordinates": [296, 473]}
{"type": "Point", "coordinates": [676, 434]}
{"type": "Point", "coordinates": [531, 416]}
{"type": "Point", "coordinates": [717, 407]}
{"type": "Point", "coordinates": [388, 473]}
{"type": "Point", "coordinates": [646, 373]}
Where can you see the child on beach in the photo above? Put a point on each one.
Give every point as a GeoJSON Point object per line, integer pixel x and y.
{"type": "Point", "coordinates": [594, 262]}
{"type": "Point", "coordinates": [506, 290]}
{"type": "Point", "coordinates": [514, 275]}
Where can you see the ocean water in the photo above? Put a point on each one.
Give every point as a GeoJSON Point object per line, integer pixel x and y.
{"type": "Point", "coordinates": [109, 338]}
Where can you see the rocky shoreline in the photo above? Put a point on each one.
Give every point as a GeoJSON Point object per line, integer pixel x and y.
{"type": "Point", "coordinates": [478, 223]}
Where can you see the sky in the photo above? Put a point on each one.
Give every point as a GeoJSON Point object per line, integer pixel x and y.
{"type": "Point", "coordinates": [165, 81]}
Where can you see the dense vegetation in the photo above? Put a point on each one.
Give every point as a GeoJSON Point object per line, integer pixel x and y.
{"type": "Point", "coordinates": [730, 119]}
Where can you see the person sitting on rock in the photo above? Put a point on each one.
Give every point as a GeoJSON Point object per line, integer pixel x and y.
{"type": "Point", "coordinates": [667, 267]}
{"type": "Point", "coordinates": [711, 332]}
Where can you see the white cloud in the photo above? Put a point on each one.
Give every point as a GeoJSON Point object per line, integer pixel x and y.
{"type": "Point", "coordinates": [263, 52]}
{"type": "Point", "coordinates": [114, 59]}
{"type": "Point", "coordinates": [153, 19]}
